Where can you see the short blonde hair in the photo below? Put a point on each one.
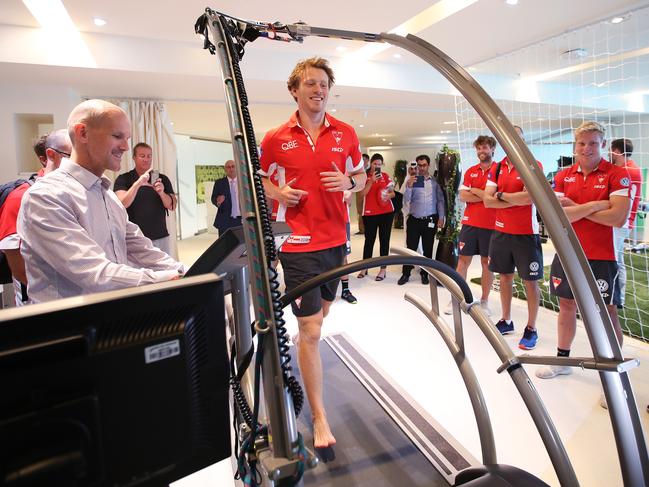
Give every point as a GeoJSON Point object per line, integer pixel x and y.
{"type": "Point", "coordinates": [590, 126]}
{"type": "Point", "coordinates": [300, 69]}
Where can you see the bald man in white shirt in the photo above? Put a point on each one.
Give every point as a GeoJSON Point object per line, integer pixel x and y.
{"type": "Point", "coordinates": [76, 236]}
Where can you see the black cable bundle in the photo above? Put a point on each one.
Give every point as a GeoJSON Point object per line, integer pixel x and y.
{"type": "Point", "coordinates": [291, 382]}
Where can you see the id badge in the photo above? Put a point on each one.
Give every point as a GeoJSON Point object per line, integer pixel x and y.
{"type": "Point", "coordinates": [431, 224]}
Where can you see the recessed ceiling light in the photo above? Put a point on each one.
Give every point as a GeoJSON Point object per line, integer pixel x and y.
{"type": "Point", "coordinates": [396, 55]}
{"type": "Point", "coordinates": [341, 48]}
{"type": "Point", "coordinates": [390, 143]}
{"type": "Point", "coordinates": [99, 22]}
{"type": "Point", "coordinates": [450, 122]}
{"type": "Point", "coordinates": [445, 131]}
{"type": "Point", "coordinates": [361, 125]}
{"type": "Point", "coordinates": [333, 110]}
{"type": "Point", "coordinates": [618, 20]}
{"type": "Point", "coordinates": [171, 123]}
{"type": "Point", "coordinates": [511, 2]}
{"type": "Point", "coordinates": [383, 140]}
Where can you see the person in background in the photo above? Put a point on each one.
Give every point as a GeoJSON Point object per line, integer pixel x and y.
{"type": "Point", "coordinates": [148, 196]}
{"type": "Point", "coordinates": [378, 212]}
{"type": "Point", "coordinates": [345, 293]}
{"type": "Point", "coordinates": [620, 155]}
{"type": "Point", "coordinates": [54, 146]}
{"type": "Point", "coordinates": [478, 221]}
{"type": "Point", "coordinates": [426, 213]}
{"type": "Point", "coordinates": [515, 244]}
{"type": "Point", "coordinates": [359, 199]}
{"type": "Point", "coordinates": [595, 196]}
{"type": "Point", "coordinates": [225, 196]}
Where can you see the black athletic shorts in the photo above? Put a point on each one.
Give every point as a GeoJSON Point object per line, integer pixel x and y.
{"type": "Point", "coordinates": [523, 252]}
{"type": "Point", "coordinates": [299, 267]}
{"type": "Point", "coordinates": [606, 275]}
{"type": "Point", "coordinates": [474, 241]}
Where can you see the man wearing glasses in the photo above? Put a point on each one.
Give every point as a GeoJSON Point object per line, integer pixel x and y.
{"type": "Point", "coordinates": [50, 149]}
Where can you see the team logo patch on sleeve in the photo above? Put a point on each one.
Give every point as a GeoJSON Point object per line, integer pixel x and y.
{"type": "Point", "coordinates": [556, 281]}
{"type": "Point", "coordinates": [461, 245]}
{"type": "Point", "coordinates": [624, 182]}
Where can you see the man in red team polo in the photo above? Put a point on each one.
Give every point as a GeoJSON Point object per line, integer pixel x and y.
{"type": "Point", "coordinates": [317, 158]}
{"type": "Point", "coordinates": [621, 151]}
{"type": "Point", "coordinates": [515, 244]}
{"type": "Point", "coordinates": [595, 196]}
{"type": "Point", "coordinates": [478, 220]}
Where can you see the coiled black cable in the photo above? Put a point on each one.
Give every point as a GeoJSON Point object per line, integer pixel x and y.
{"type": "Point", "coordinates": [264, 216]}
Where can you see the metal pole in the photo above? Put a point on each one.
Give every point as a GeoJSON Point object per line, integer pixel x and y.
{"type": "Point", "coordinates": [283, 431]}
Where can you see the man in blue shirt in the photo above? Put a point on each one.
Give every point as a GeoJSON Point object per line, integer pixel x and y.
{"type": "Point", "coordinates": [427, 212]}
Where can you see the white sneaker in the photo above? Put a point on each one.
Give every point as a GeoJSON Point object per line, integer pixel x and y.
{"type": "Point", "coordinates": [550, 371]}
{"type": "Point", "coordinates": [484, 305]}
{"type": "Point", "coordinates": [602, 401]}
{"type": "Point", "coordinates": [448, 310]}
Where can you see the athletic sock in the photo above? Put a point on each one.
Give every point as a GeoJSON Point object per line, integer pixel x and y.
{"type": "Point", "coordinates": [563, 353]}
{"type": "Point", "coordinates": [345, 283]}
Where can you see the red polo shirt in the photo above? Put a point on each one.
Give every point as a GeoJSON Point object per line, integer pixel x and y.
{"type": "Point", "coordinates": [374, 204]}
{"type": "Point", "coordinates": [605, 181]}
{"type": "Point", "coordinates": [9, 211]}
{"type": "Point", "coordinates": [517, 220]}
{"type": "Point", "coordinates": [318, 221]}
{"type": "Point", "coordinates": [635, 176]}
{"type": "Point", "coordinates": [476, 214]}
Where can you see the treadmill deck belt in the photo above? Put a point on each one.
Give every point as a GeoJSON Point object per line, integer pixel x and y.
{"type": "Point", "coordinates": [371, 449]}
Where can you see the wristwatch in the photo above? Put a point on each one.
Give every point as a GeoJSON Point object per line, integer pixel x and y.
{"type": "Point", "coordinates": [499, 196]}
{"type": "Point", "coordinates": [353, 183]}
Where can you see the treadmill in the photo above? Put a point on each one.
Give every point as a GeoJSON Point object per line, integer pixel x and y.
{"type": "Point", "coordinates": [272, 451]}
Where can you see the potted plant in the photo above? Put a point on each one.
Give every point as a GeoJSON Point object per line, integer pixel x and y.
{"type": "Point", "coordinates": [448, 177]}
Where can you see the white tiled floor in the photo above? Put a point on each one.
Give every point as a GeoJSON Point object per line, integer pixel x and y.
{"type": "Point", "coordinates": [395, 335]}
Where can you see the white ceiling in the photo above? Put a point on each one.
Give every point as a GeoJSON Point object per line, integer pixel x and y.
{"type": "Point", "coordinates": [486, 30]}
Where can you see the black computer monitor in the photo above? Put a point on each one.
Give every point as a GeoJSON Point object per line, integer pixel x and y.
{"type": "Point", "coordinates": [124, 388]}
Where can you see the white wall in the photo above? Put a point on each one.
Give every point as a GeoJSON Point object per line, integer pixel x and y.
{"type": "Point", "coordinates": [34, 99]}
{"type": "Point", "coordinates": [192, 152]}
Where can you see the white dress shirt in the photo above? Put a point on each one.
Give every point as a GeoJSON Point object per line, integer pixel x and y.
{"type": "Point", "coordinates": [77, 239]}
{"type": "Point", "coordinates": [234, 196]}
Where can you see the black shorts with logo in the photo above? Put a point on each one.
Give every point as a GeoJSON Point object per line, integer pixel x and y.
{"type": "Point", "coordinates": [299, 267]}
{"type": "Point", "coordinates": [523, 252]}
{"type": "Point", "coordinates": [606, 275]}
{"type": "Point", "coordinates": [474, 241]}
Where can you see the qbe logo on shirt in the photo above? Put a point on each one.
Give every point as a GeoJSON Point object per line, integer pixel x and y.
{"type": "Point", "coordinates": [161, 351]}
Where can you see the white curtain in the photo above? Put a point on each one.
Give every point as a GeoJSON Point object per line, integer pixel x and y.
{"type": "Point", "coordinates": [150, 124]}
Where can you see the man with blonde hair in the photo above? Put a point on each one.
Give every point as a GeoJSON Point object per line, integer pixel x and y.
{"type": "Point", "coordinates": [595, 196]}
{"type": "Point", "coordinates": [316, 157]}
{"type": "Point", "coordinates": [76, 236]}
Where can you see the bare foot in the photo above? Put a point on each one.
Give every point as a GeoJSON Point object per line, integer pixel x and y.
{"type": "Point", "coordinates": [322, 436]}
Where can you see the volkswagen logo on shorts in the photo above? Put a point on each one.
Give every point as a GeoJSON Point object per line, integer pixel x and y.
{"type": "Point", "coordinates": [534, 266]}
{"type": "Point", "coordinates": [602, 285]}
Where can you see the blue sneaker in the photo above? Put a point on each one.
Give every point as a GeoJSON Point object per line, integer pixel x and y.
{"type": "Point", "coordinates": [530, 337]}
{"type": "Point", "coordinates": [504, 328]}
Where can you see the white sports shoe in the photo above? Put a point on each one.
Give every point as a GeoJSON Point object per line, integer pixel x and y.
{"type": "Point", "coordinates": [484, 305]}
{"type": "Point", "coordinates": [448, 309]}
{"type": "Point", "coordinates": [550, 371]}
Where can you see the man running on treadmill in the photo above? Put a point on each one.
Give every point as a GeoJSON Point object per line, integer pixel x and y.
{"type": "Point", "coordinates": [316, 157]}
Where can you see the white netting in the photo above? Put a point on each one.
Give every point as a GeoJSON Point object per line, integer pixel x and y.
{"type": "Point", "coordinates": [604, 77]}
